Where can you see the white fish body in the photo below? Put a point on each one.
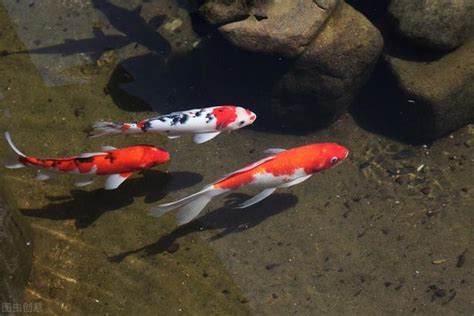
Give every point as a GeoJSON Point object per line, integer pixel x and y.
{"type": "Point", "coordinates": [205, 123]}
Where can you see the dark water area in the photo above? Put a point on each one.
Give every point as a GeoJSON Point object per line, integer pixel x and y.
{"type": "Point", "coordinates": [387, 231]}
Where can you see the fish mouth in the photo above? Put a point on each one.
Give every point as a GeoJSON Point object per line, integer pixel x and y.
{"type": "Point", "coordinates": [347, 154]}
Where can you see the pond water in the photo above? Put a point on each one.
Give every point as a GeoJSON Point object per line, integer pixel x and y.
{"type": "Point", "coordinates": [389, 230]}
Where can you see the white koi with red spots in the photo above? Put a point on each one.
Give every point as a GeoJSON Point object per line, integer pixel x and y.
{"type": "Point", "coordinates": [284, 168]}
{"type": "Point", "coordinates": [205, 123]}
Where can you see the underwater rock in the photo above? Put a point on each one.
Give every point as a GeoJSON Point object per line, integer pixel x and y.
{"type": "Point", "coordinates": [441, 89]}
{"type": "Point", "coordinates": [15, 255]}
{"type": "Point", "coordinates": [221, 12]}
{"type": "Point", "coordinates": [442, 25]}
{"type": "Point", "coordinates": [335, 64]}
{"type": "Point", "coordinates": [282, 28]}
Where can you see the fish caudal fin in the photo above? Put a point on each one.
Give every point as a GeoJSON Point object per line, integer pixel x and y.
{"type": "Point", "coordinates": [12, 160]}
{"type": "Point", "coordinates": [190, 206]}
{"type": "Point", "coordinates": [106, 128]}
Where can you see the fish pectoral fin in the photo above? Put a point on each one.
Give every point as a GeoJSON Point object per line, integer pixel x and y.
{"type": "Point", "coordinates": [257, 198]}
{"type": "Point", "coordinates": [204, 137]}
{"type": "Point", "coordinates": [296, 181]}
{"type": "Point", "coordinates": [273, 151]}
{"type": "Point", "coordinates": [173, 136]}
{"type": "Point", "coordinates": [44, 175]}
{"type": "Point", "coordinates": [84, 181]}
{"type": "Point", "coordinates": [115, 180]}
{"type": "Point", "coordinates": [108, 148]}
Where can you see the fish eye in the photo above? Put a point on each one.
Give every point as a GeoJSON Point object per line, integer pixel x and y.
{"type": "Point", "coordinates": [241, 122]}
{"type": "Point", "coordinates": [333, 159]}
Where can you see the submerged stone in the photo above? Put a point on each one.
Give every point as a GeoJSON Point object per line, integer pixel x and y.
{"type": "Point", "coordinates": [442, 25]}
{"type": "Point", "coordinates": [442, 89]}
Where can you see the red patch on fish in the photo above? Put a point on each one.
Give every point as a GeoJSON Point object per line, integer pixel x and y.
{"type": "Point", "coordinates": [125, 127]}
{"type": "Point", "coordinates": [311, 158]}
{"type": "Point", "coordinates": [224, 115]}
{"type": "Point", "coordinates": [120, 161]}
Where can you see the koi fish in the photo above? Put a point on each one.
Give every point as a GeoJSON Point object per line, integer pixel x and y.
{"type": "Point", "coordinates": [282, 169]}
{"type": "Point", "coordinates": [204, 123]}
{"type": "Point", "coordinates": [117, 164]}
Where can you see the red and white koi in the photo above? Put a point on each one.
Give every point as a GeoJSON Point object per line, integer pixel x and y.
{"type": "Point", "coordinates": [205, 123]}
{"type": "Point", "coordinates": [284, 168]}
{"type": "Point", "coordinates": [117, 164]}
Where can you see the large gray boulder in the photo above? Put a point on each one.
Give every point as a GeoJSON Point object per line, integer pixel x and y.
{"type": "Point", "coordinates": [442, 90]}
{"type": "Point", "coordinates": [282, 28]}
{"type": "Point", "coordinates": [438, 24]}
{"type": "Point", "coordinates": [15, 255]}
{"type": "Point", "coordinates": [335, 64]}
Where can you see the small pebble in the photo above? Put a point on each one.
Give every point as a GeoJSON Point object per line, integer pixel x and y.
{"type": "Point", "coordinates": [271, 266]}
{"type": "Point", "coordinates": [440, 293]}
{"type": "Point", "coordinates": [461, 259]}
{"type": "Point", "coordinates": [403, 154]}
{"type": "Point", "coordinates": [425, 190]}
{"type": "Point", "coordinates": [173, 248]}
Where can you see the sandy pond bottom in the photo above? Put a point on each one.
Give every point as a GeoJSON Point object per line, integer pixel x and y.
{"type": "Point", "coordinates": [390, 230]}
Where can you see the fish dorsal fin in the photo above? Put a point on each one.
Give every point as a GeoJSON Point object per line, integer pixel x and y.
{"type": "Point", "coordinates": [251, 166]}
{"type": "Point", "coordinates": [89, 155]}
{"type": "Point", "coordinates": [108, 148]}
{"type": "Point", "coordinates": [273, 151]}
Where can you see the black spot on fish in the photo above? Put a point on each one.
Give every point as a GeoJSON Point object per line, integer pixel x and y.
{"type": "Point", "coordinates": [198, 113]}
{"type": "Point", "coordinates": [209, 117]}
{"type": "Point", "coordinates": [183, 118]}
{"type": "Point", "coordinates": [174, 120]}
{"type": "Point", "coordinates": [146, 126]}
{"type": "Point", "coordinates": [161, 118]}
{"type": "Point", "coordinates": [110, 157]}
{"type": "Point", "coordinates": [84, 160]}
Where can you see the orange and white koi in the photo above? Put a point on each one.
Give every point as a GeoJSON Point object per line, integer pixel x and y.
{"type": "Point", "coordinates": [284, 168]}
{"type": "Point", "coordinates": [205, 123]}
{"type": "Point", "coordinates": [117, 164]}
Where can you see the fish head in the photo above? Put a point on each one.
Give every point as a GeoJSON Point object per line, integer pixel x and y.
{"type": "Point", "coordinates": [333, 154]}
{"type": "Point", "coordinates": [326, 155]}
{"type": "Point", "coordinates": [156, 155]}
{"type": "Point", "coordinates": [244, 118]}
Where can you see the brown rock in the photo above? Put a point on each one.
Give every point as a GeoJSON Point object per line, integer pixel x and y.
{"type": "Point", "coordinates": [432, 23]}
{"type": "Point", "coordinates": [336, 63]}
{"type": "Point", "coordinates": [442, 89]}
{"type": "Point", "coordinates": [282, 28]}
{"type": "Point", "coordinates": [221, 12]}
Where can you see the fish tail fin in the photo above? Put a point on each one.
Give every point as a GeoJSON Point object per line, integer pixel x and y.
{"type": "Point", "coordinates": [107, 128]}
{"type": "Point", "coordinates": [12, 160]}
{"type": "Point", "coordinates": [190, 206]}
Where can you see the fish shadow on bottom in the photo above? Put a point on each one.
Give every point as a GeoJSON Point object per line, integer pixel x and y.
{"type": "Point", "coordinates": [227, 218]}
{"type": "Point", "coordinates": [87, 206]}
